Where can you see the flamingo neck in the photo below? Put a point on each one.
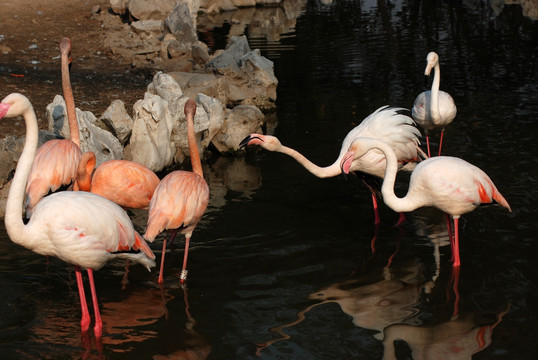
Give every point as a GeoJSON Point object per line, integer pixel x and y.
{"type": "Point", "coordinates": [15, 227]}
{"type": "Point", "coordinates": [69, 100]}
{"type": "Point", "coordinates": [409, 202]}
{"type": "Point", "coordinates": [434, 98]}
{"type": "Point", "coordinates": [321, 172]}
{"type": "Point", "coordinates": [196, 163]}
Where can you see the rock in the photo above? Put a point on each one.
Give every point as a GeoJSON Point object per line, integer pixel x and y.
{"type": "Point", "coordinates": [260, 73]}
{"type": "Point", "coordinates": [240, 121]}
{"type": "Point", "coordinates": [149, 27]}
{"type": "Point", "coordinates": [150, 10]}
{"type": "Point", "coordinates": [176, 49]}
{"type": "Point", "coordinates": [215, 112]}
{"type": "Point", "coordinates": [119, 6]}
{"type": "Point", "coordinates": [150, 142]}
{"type": "Point", "coordinates": [200, 52]}
{"type": "Point", "coordinates": [116, 118]}
{"type": "Point", "coordinates": [92, 137]}
{"type": "Point", "coordinates": [181, 24]}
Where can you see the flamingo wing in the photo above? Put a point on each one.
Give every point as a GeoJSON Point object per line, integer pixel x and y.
{"type": "Point", "coordinates": [55, 165]}
{"type": "Point", "coordinates": [391, 126]}
{"type": "Point", "coordinates": [127, 183]}
{"type": "Point", "coordinates": [179, 201]}
{"type": "Point", "coordinates": [84, 229]}
{"type": "Point", "coordinates": [454, 185]}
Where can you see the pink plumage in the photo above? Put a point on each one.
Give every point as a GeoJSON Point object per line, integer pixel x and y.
{"type": "Point", "coordinates": [180, 199]}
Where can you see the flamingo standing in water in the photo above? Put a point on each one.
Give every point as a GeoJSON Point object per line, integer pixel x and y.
{"type": "Point", "coordinates": [180, 199]}
{"type": "Point", "coordinates": [80, 228]}
{"type": "Point", "coordinates": [127, 183]}
{"type": "Point", "coordinates": [56, 161]}
{"type": "Point", "coordinates": [434, 108]}
{"type": "Point", "coordinates": [387, 124]}
{"type": "Point", "coordinates": [448, 183]}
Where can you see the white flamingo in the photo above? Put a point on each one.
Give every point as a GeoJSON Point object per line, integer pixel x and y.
{"type": "Point", "coordinates": [448, 183]}
{"type": "Point", "coordinates": [434, 109]}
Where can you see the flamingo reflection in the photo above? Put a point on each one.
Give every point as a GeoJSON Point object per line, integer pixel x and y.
{"type": "Point", "coordinates": [193, 345]}
{"type": "Point", "coordinates": [453, 339]}
{"type": "Point", "coordinates": [376, 299]}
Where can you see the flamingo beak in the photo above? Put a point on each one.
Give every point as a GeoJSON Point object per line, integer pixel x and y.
{"type": "Point", "coordinates": [345, 164]}
{"type": "Point", "coordinates": [245, 142]}
{"type": "Point", "coordinates": [4, 109]}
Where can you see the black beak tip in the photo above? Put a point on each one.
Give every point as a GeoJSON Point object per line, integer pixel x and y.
{"type": "Point", "coordinates": [244, 142]}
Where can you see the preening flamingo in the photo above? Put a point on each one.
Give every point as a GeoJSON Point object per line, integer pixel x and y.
{"type": "Point", "coordinates": [386, 123]}
{"type": "Point", "coordinates": [80, 228]}
{"type": "Point", "coordinates": [127, 183]}
{"type": "Point", "coordinates": [180, 199]}
{"type": "Point", "coordinates": [434, 108]}
{"type": "Point", "coordinates": [56, 161]}
{"type": "Point", "coordinates": [448, 183]}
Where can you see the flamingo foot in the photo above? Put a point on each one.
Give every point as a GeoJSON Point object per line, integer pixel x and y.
{"type": "Point", "coordinates": [98, 330]}
{"type": "Point", "coordinates": [183, 276]}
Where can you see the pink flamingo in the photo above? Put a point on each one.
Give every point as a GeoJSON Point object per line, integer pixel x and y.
{"type": "Point", "coordinates": [434, 108]}
{"type": "Point", "coordinates": [127, 183]}
{"type": "Point", "coordinates": [55, 163]}
{"type": "Point", "coordinates": [79, 228]}
{"type": "Point", "coordinates": [180, 199]}
{"type": "Point", "coordinates": [387, 124]}
{"type": "Point", "coordinates": [448, 183]}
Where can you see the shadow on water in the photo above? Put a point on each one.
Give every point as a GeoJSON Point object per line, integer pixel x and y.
{"type": "Point", "coordinates": [288, 266]}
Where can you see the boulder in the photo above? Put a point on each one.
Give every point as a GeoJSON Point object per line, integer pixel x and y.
{"type": "Point", "coordinates": [118, 121]}
{"type": "Point", "coordinates": [240, 121]}
{"type": "Point", "coordinates": [150, 142]}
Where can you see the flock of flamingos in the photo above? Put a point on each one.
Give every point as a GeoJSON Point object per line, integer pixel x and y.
{"type": "Point", "coordinates": [88, 226]}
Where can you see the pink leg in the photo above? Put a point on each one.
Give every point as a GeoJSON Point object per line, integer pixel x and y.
{"type": "Point", "coordinates": [183, 276]}
{"type": "Point", "coordinates": [401, 219]}
{"type": "Point", "coordinates": [377, 220]}
{"type": "Point", "coordinates": [455, 278]}
{"type": "Point", "coordinates": [456, 244]}
{"type": "Point", "coordinates": [441, 141]}
{"type": "Point", "coordinates": [98, 327]}
{"type": "Point", "coordinates": [160, 281]}
{"type": "Point", "coordinates": [85, 320]}
{"type": "Point", "coordinates": [428, 144]}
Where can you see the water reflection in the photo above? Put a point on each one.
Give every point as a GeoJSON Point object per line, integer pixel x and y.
{"type": "Point", "coordinates": [375, 296]}
{"type": "Point", "coordinates": [265, 26]}
{"type": "Point", "coordinates": [455, 339]}
{"type": "Point", "coordinates": [192, 345]}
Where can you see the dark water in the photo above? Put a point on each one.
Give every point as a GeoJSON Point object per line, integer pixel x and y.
{"type": "Point", "coordinates": [288, 266]}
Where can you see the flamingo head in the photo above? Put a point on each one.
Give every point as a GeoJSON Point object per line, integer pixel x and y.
{"type": "Point", "coordinates": [358, 148]}
{"type": "Point", "coordinates": [14, 104]}
{"type": "Point", "coordinates": [347, 160]}
{"type": "Point", "coordinates": [65, 48]}
{"type": "Point", "coordinates": [190, 107]}
{"type": "Point", "coordinates": [267, 142]}
{"type": "Point", "coordinates": [431, 60]}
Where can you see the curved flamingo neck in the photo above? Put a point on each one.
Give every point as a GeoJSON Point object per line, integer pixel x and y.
{"type": "Point", "coordinates": [65, 48]}
{"type": "Point", "coordinates": [85, 169]}
{"type": "Point", "coordinates": [434, 98]}
{"type": "Point", "coordinates": [190, 111]}
{"type": "Point", "coordinates": [321, 172]}
{"type": "Point", "coordinates": [409, 202]}
{"type": "Point", "coordinates": [14, 206]}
